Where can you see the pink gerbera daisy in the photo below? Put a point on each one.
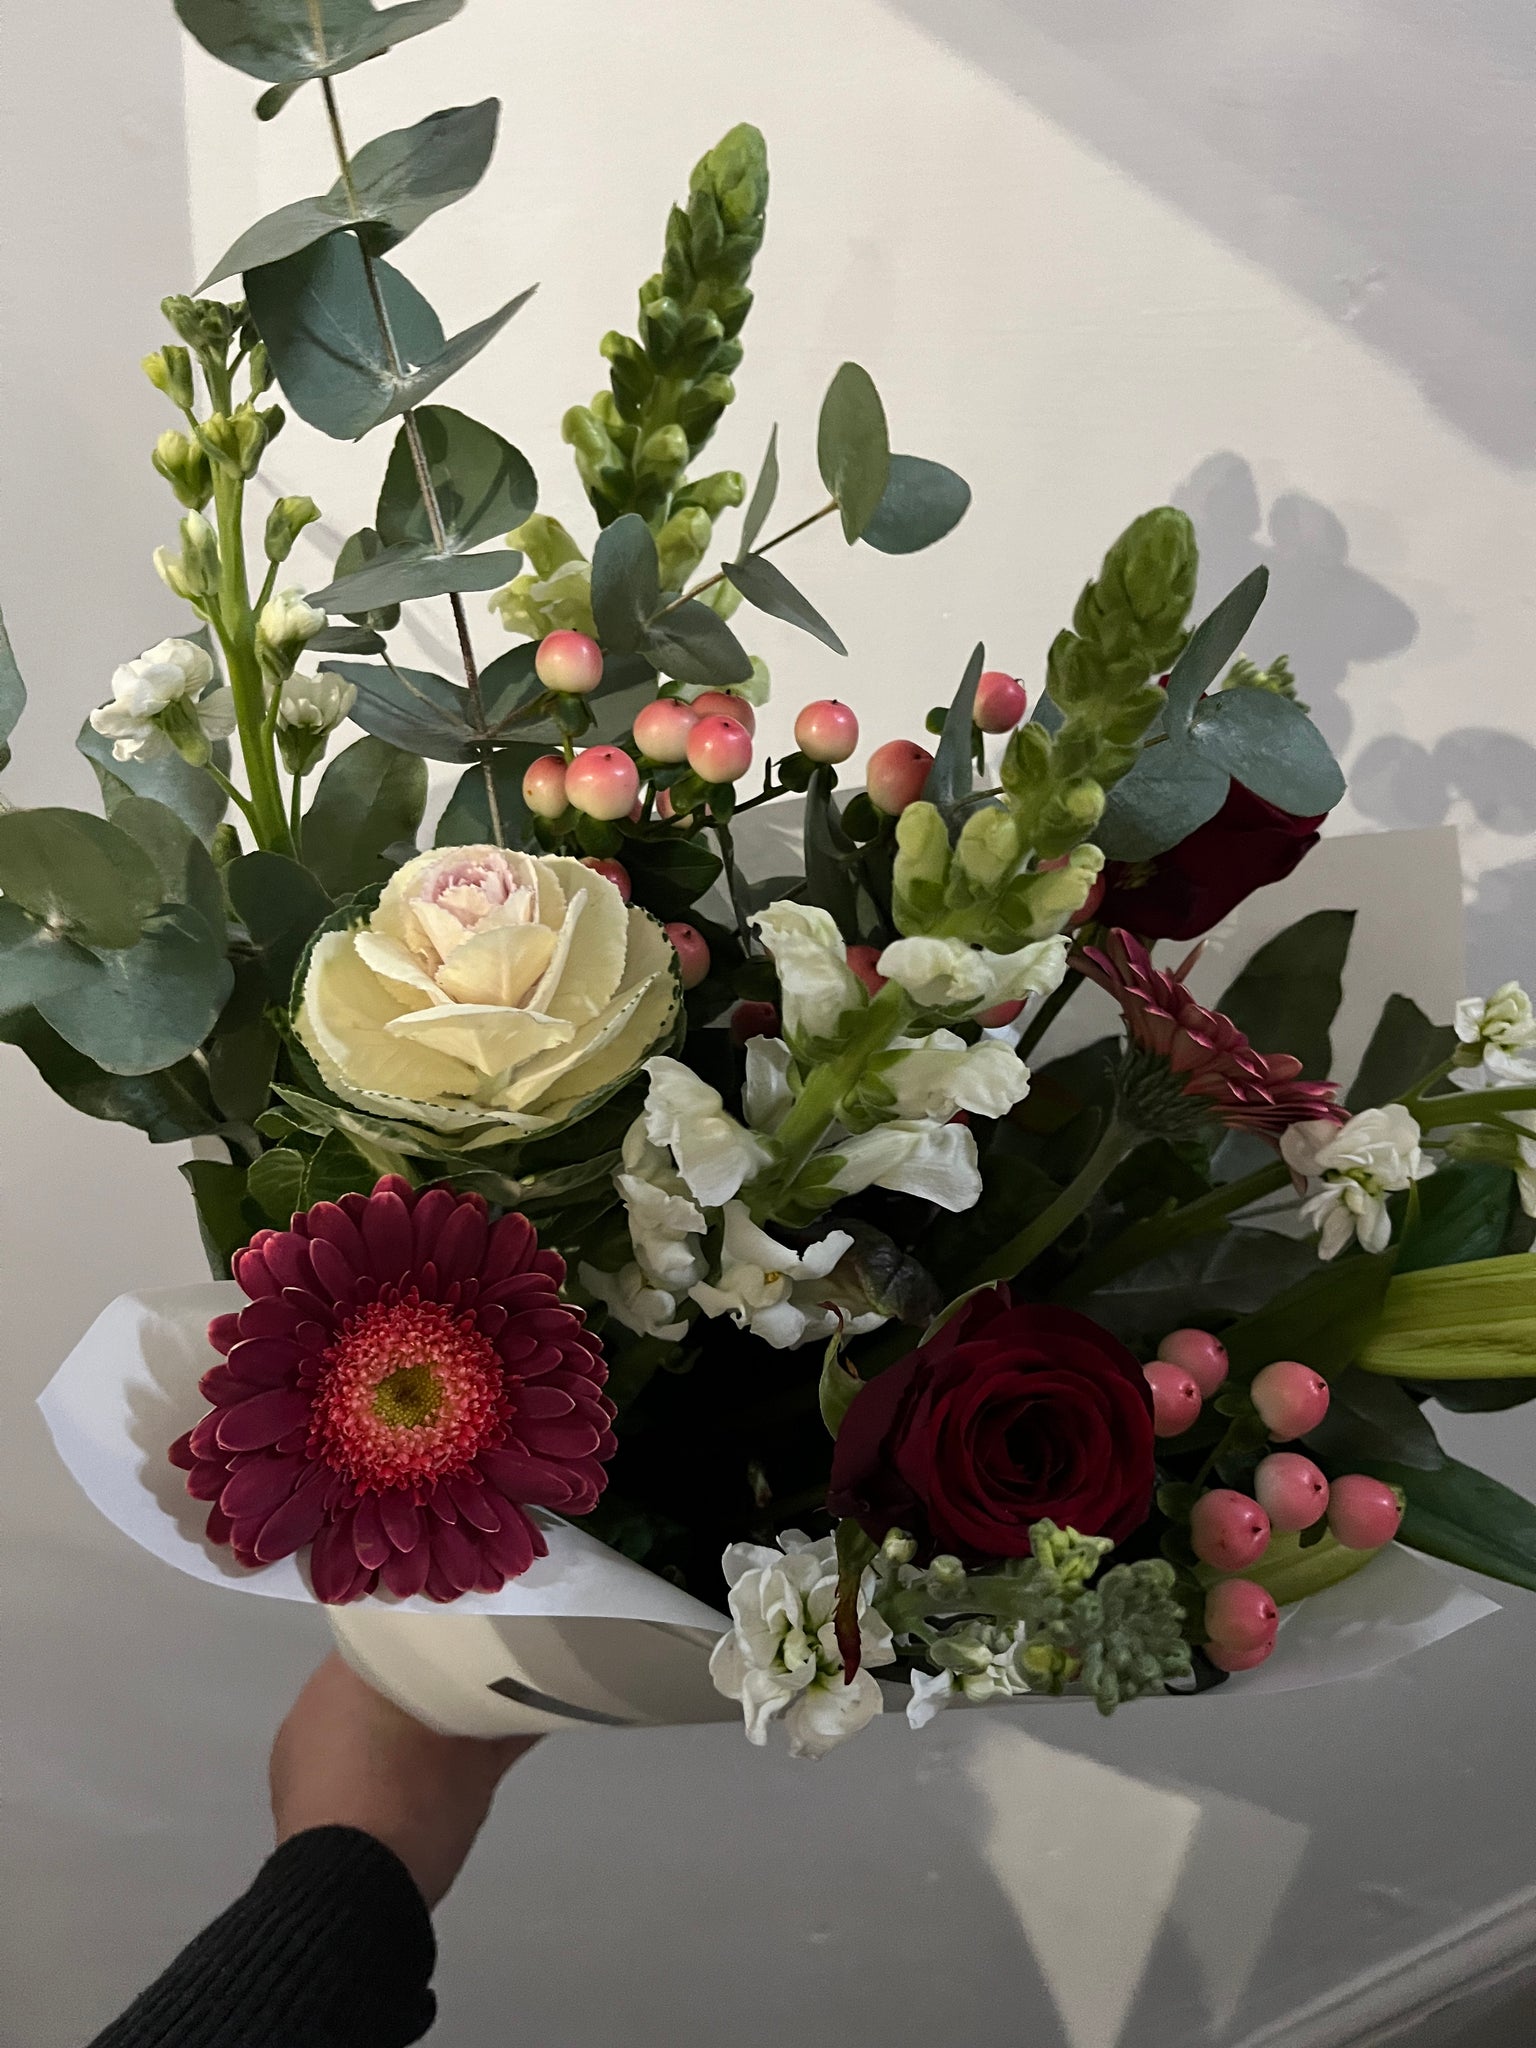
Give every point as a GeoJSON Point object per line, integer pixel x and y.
{"type": "Point", "coordinates": [1194, 1058]}
{"type": "Point", "coordinates": [404, 1383]}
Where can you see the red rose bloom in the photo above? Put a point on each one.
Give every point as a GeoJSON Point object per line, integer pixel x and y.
{"type": "Point", "coordinates": [404, 1382]}
{"type": "Point", "coordinates": [1013, 1413]}
{"type": "Point", "coordinates": [1194, 885]}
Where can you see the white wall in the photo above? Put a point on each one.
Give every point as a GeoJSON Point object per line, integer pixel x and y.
{"type": "Point", "coordinates": [1273, 264]}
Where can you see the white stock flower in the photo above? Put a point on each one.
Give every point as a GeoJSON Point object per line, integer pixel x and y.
{"type": "Point", "coordinates": [936, 1075]}
{"type": "Point", "coordinates": [948, 974]}
{"type": "Point", "coordinates": [487, 987]}
{"type": "Point", "coordinates": [816, 984]}
{"type": "Point", "coordinates": [714, 1153]}
{"type": "Point", "coordinates": [631, 1300]}
{"type": "Point", "coordinates": [781, 1658]}
{"type": "Point", "coordinates": [935, 1162]}
{"type": "Point", "coordinates": [1504, 1019]}
{"type": "Point", "coordinates": [778, 1294]}
{"type": "Point", "coordinates": [766, 1094]}
{"type": "Point", "coordinates": [665, 1225]}
{"type": "Point", "coordinates": [168, 677]}
{"type": "Point", "coordinates": [1375, 1154]}
{"type": "Point", "coordinates": [285, 625]}
{"type": "Point", "coordinates": [315, 704]}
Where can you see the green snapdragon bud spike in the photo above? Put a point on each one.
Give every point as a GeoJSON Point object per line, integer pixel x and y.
{"type": "Point", "coordinates": [169, 369]}
{"type": "Point", "coordinates": [185, 468]}
{"type": "Point", "coordinates": [557, 595]}
{"type": "Point", "coordinates": [285, 522]}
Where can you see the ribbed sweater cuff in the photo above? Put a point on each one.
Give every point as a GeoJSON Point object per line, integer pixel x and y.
{"type": "Point", "coordinates": [331, 1947]}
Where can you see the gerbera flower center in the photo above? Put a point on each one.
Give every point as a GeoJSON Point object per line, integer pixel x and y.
{"type": "Point", "coordinates": [408, 1393]}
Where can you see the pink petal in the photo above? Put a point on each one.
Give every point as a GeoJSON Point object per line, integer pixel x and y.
{"type": "Point", "coordinates": [373, 1547]}
{"type": "Point", "coordinates": [260, 1485]}
{"type": "Point", "coordinates": [455, 1557]}
{"type": "Point", "coordinates": [401, 1519]}
{"type": "Point", "coordinates": [514, 1545]}
{"type": "Point", "coordinates": [296, 1522]}
{"type": "Point", "coordinates": [203, 1440]}
{"type": "Point", "coordinates": [181, 1453]}
{"type": "Point", "coordinates": [404, 1572]}
{"type": "Point", "coordinates": [219, 1385]}
{"type": "Point", "coordinates": [427, 1219]}
{"type": "Point", "coordinates": [460, 1243]}
{"type": "Point", "coordinates": [333, 1270]}
{"type": "Point", "coordinates": [286, 1258]}
{"type": "Point", "coordinates": [206, 1481]}
{"type": "Point", "coordinates": [333, 1564]}
{"type": "Point", "coordinates": [438, 1585]}
{"type": "Point", "coordinates": [264, 1361]}
{"type": "Point", "coordinates": [526, 1479]}
{"type": "Point", "coordinates": [224, 1331]}
{"type": "Point", "coordinates": [544, 1403]}
{"type": "Point", "coordinates": [219, 1527]}
{"type": "Point", "coordinates": [572, 1439]}
{"type": "Point", "coordinates": [263, 1419]}
{"type": "Point", "coordinates": [387, 1234]}
{"type": "Point", "coordinates": [329, 1223]}
{"type": "Point", "coordinates": [474, 1503]}
{"type": "Point", "coordinates": [512, 1245]}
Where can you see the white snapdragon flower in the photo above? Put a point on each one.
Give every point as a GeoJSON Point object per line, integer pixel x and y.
{"type": "Point", "coordinates": [164, 687]}
{"type": "Point", "coordinates": [315, 704]}
{"type": "Point", "coordinates": [949, 975]}
{"type": "Point", "coordinates": [778, 1294]}
{"type": "Point", "coordinates": [766, 1094]}
{"type": "Point", "coordinates": [1375, 1154]}
{"type": "Point", "coordinates": [631, 1300]}
{"type": "Point", "coordinates": [665, 1224]}
{"type": "Point", "coordinates": [816, 984]}
{"type": "Point", "coordinates": [1501, 1028]}
{"type": "Point", "coordinates": [715, 1155]}
{"type": "Point", "coordinates": [935, 1162]}
{"type": "Point", "coordinates": [781, 1658]}
{"type": "Point", "coordinates": [936, 1075]}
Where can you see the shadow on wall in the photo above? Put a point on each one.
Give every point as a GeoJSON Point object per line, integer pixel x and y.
{"type": "Point", "coordinates": [1321, 611]}
{"type": "Point", "coordinates": [1360, 150]}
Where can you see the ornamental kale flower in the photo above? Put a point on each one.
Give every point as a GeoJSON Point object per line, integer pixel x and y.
{"type": "Point", "coordinates": [404, 1383]}
{"type": "Point", "coordinates": [1196, 1059]}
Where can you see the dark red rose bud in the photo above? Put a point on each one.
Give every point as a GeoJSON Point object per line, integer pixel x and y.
{"type": "Point", "coordinates": [1194, 885]}
{"type": "Point", "coordinates": [1014, 1412]}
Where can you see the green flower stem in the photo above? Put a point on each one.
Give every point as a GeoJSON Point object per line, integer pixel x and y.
{"type": "Point", "coordinates": [1036, 1237]}
{"type": "Point", "coordinates": [789, 533]}
{"type": "Point", "coordinates": [235, 624]}
{"type": "Point", "coordinates": [820, 1099]}
{"type": "Point", "coordinates": [999, 1597]}
{"type": "Point", "coordinates": [235, 796]}
{"type": "Point", "coordinates": [1466, 1107]}
{"type": "Point", "coordinates": [1048, 1012]}
{"type": "Point", "coordinates": [1158, 1234]}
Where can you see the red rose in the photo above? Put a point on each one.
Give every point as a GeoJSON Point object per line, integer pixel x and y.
{"type": "Point", "coordinates": [1014, 1412]}
{"type": "Point", "coordinates": [1194, 885]}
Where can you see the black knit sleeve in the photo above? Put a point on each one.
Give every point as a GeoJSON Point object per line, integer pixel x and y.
{"type": "Point", "coordinates": [330, 1948]}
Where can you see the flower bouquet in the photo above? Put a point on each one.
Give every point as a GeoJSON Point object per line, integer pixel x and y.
{"type": "Point", "coordinates": [613, 1220]}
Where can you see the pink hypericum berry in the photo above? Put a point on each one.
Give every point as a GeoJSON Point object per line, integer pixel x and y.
{"type": "Point", "coordinates": [616, 873]}
{"type": "Point", "coordinates": [1225, 1658]}
{"type": "Point", "coordinates": [1291, 1398]}
{"type": "Point", "coordinates": [544, 786]}
{"type": "Point", "coordinates": [1291, 1490]}
{"type": "Point", "coordinates": [827, 730]}
{"type": "Point", "coordinates": [1362, 1512]}
{"type": "Point", "coordinates": [999, 1015]}
{"type": "Point", "coordinates": [754, 1020]}
{"type": "Point", "coordinates": [719, 748]}
{"type": "Point", "coordinates": [662, 729]}
{"type": "Point", "coordinates": [1240, 1615]}
{"type": "Point", "coordinates": [1202, 1356]}
{"type": "Point", "coordinates": [569, 662]}
{"type": "Point", "coordinates": [1175, 1397]}
{"type": "Point", "coordinates": [692, 950]}
{"type": "Point", "coordinates": [896, 775]}
{"type": "Point", "coordinates": [602, 782]}
{"type": "Point", "coordinates": [1228, 1530]}
{"type": "Point", "coordinates": [1000, 701]}
{"type": "Point", "coordinates": [861, 961]}
{"type": "Point", "coordinates": [722, 704]}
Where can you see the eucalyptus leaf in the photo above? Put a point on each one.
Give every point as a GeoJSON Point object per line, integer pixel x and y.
{"type": "Point", "coordinates": [764, 584]}
{"type": "Point", "coordinates": [357, 551]}
{"type": "Point", "coordinates": [136, 1009]}
{"type": "Point", "coordinates": [34, 961]}
{"type": "Point", "coordinates": [853, 449]}
{"type": "Point", "coordinates": [949, 779]}
{"type": "Point", "coordinates": [466, 821]}
{"type": "Point", "coordinates": [411, 708]}
{"type": "Point", "coordinates": [168, 1107]}
{"type": "Point", "coordinates": [1288, 995]}
{"type": "Point", "coordinates": [184, 865]}
{"type": "Point", "coordinates": [370, 796]}
{"type": "Point", "coordinates": [1169, 793]}
{"type": "Point", "coordinates": [77, 873]}
{"type": "Point", "coordinates": [483, 485]}
{"type": "Point", "coordinates": [626, 583]}
{"type": "Point", "coordinates": [628, 682]}
{"type": "Point", "coordinates": [242, 1054]}
{"type": "Point", "coordinates": [1210, 648]}
{"type": "Point", "coordinates": [764, 491]}
{"type": "Point", "coordinates": [281, 906]}
{"type": "Point", "coordinates": [190, 792]}
{"type": "Point", "coordinates": [694, 644]}
{"type": "Point", "coordinates": [346, 640]}
{"type": "Point", "coordinates": [1270, 746]}
{"type": "Point", "coordinates": [277, 39]}
{"type": "Point", "coordinates": [425, 377]}
{"type": "Point", "coordinates": [510, 684]}
{"type": "Point", "coordinates": [921, 503]}
{"type": "Point", "coordinates": [399, 574]}
{"type": "Point", "coordinates": [1404, 1047]}
{"type": "Point", "coordinates": [13, 693]}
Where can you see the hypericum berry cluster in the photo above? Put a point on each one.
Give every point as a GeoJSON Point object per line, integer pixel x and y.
{"type": "Point", "coordinates": [1230, 1531]}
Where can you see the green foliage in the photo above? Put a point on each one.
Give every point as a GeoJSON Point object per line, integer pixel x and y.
{"type": "Point", "coordinates": [276, 39]}
{"type": "Point", "coordinates": [853, 449]}
{"type": "Point", "coordinates": [483, 485]}
{"type": "Point", "coordinates": [921, 503]}
{"type": "Point", "coordinates": [693, 643]}
{"type": "Point", "coordinates": [168, 1106]}
{"type": "Point", "coordinates": [1458, 1215]}
{"type": "Point", "coordinates": [839, 1386]}
{"type": "Point", "coordinates": [13, 694]}
{"type": "Point", "coordinates": [1371, 1417]}
{"type": "Point", "coordinates": [626, 583]}
{"type": "Point", "coordinates": [371, 798]}
{"type": "Point", "coordinates": [949, 779]}
{"type": "Point", "coordinates": [1404, 1048]}
{"type": "Point", "coordinates": [466, 820]}
{"type": "Point", "coordinates": [282, 906]}
{"type": "Point", "coordinates": [190, 792]}
{"type": "Point", "coordinates": [412, 709]}
{"type": "Point", "coordinates": [1325, 1321]}
{"type": "Point", "coordinates": [763, 584]}
{"type": "Point", "coordinates": [77, 874]}
{"type": "Point", "coordinates": [1288, 995]}
{"type": "Point", "coordinates": [764, 491]}
{"type": "Point", "coordinates": [1466, 1518]}
{"type": "Point", "coordinates": [137, 1009]}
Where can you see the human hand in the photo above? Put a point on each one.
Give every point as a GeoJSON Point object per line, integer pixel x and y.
{"type": "Point", "coordinates": [346, 1757]}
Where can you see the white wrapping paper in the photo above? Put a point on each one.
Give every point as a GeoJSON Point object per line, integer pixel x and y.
{"type": "Point", "coordinates": [585, 1637]}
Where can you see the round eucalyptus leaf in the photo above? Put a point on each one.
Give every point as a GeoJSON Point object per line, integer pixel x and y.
{"type": "Point", "coordinates": [853, 449]}
{"type": "Point", "coordinates": [1271, 747]}
{"type": "Point", "coordinates": [137, 1009]}
{"type": "Point", "coordinates": [78, 874]}
{"type": "Point", "coordinates": [922, 502]}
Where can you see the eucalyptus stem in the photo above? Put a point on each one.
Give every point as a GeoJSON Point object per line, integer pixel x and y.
{"type": "Point", "coordinates": [1158, 1234]}
{"type": "Point", "coordinates": [1038, 1236]}
{"type": "Point", "coordinates": [719, 576]}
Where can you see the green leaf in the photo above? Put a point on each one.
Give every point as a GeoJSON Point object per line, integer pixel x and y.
{"type": "Point", "coordinates": [840, 1386]}
{"type": "Point", "coordinates": [694, 644]}
{"type": "Point", "coordinates": [922, 502]}
{"type": "Point", "coordinates": [626, 583]}
{"type": "Point", "coordinates": [136, 1009]}
{"type": "Point", "coordinates": [1209, 649]}
{"type": "Point", "coordinates": [853, 449]}
{"type": "Point", "coordinates": [274, 99]}
{"type": "Point", "coordinates": [484, 485]}
{"type": "Point", "coordinates": [281, 906]}
{"type": "Point", "coordinates": [227, 1221]}
{"type": "Point", "coordinates": [34, 961]}
{"type": "Point", "coordinates": [829, 857]}
{"type": "Point", "coordinates": [190, 792]}
{"type": "Point", "coordinates": [276, 39]}
{"type": "Point", "coordinates": [1461, 1213]}
{"type": "Point", "coordinates": [400, 180]}
{"type": "Point", "coordinates": [337, 1169]}
{"type": "Point", "coordinates": [1371, 1417]}
{"type": "Point", "coordinates": [357, 551]}
{"type": "Point", "coordinates": [77, 873]}
{"type": "Point", "coordinates": [411, 708]}
{"type": "Point", "coordinates": [168, 1106]}
{"type": "Point", "coordinates": [949, 779]}
{"type": "Point", "coordinates": [1169, 793]}
{"type": "Point", "coordinates": [628, 682]}
{"type": "Point", "coordinates": [398, 574]}
{"type": "Point", "coordinates": [765, 585]}
{"type": "Point", "coordinates": [1287, 996]}
{"type": "Point", "coordinates": [1466, 1518]}
{"type": "Point", "coordinates": [370, 797]}
{"type": "Point", "coordinates": [184, 865]}
{"type": "Point", "coordinates": [1324, 1320]}
{"type": "Point", "coordinates": [466, 821]}
{"type": "Point", "coordinates": [276, 1181]}
{"type": "Point", "coordinates": [1404, 1047]}
{"type": "Point", "coordinates": [346, 640]}
{"type": "Point", "coordinates": [669, 875]}
{"type": "Point", "coordinates": [764, 491]}
{"type": "Point", "coordinates": [1271, 747]}
{"type": "Point", "coordinates": [13, 694]}
{"type": "Point", "coordinates": [242, 1054]}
